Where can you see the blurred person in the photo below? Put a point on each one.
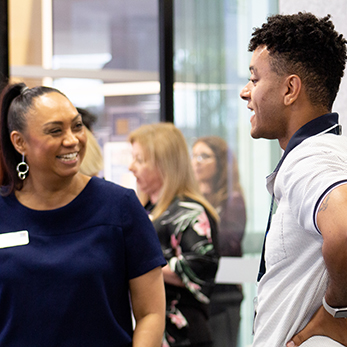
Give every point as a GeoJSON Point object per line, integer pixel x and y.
{"type": "Point", "coordinates": [216, 170]}
{"type": "Point", "coordinates": [88, 118]}
{"type": "Point", "coordinates": [186, 226]}
{"type": "Point", "coordinates": [295, 71]}
{"type": "Point", "coordinates": [76, 253]}
{"type": "Point", "coordinates": [93, 161]}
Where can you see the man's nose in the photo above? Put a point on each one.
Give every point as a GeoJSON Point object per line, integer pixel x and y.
{"type": "Point", "coordinates": [245, 93]}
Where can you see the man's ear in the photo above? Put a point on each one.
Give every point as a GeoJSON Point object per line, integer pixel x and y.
{"type": "Point", "coordinates": [293, 85]}
{"type": "Point", "coordinates": [18, 141]}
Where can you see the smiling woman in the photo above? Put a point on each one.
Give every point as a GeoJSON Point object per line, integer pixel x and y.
{"type": "Point", "coordinates": [84, 246]}
{"type": "Point", "coordinates": [53, 142]}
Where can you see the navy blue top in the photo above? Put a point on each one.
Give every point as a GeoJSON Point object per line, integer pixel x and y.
{"type": "Point", "coordinates": [69, 285]}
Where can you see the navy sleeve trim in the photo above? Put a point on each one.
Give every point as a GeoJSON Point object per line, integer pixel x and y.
{"type": "Point", "coordinates": [334, 185]}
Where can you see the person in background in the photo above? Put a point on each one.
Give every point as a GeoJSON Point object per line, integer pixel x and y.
{"type": "Point", "coordinates": [296, 68]}
{"type": "Point", "coordinates": [186, 226]}
{"type": "Point", "coordinates": [216, 170]}
{"type": "Point", "coordinates": [88, 118]}
{"type": "Point", "coordinates": [76, 253]}
{"type": "Point", "coordinates": [93, 161]}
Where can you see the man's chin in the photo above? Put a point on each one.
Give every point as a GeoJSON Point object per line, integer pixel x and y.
{"type": "Point", "coordinates": [255, 134]}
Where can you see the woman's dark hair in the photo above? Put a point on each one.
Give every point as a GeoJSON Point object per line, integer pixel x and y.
{"type": "Point", "coordinates": [226, 179]}
{"type": "Point", "coordinates": [15, 102]}
{"type": "Point", "coordinates": [307, 46]}
{"type": "Point", "coordinates": [88, 118]}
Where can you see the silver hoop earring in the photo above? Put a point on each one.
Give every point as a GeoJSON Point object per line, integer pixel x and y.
{"type": "Point", "coordinates": [22, 169]}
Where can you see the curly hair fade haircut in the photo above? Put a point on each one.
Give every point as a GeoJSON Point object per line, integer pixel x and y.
{"type": "Point", "coordinates": [307, 46]}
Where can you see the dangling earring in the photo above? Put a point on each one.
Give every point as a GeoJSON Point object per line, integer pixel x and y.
{"type": "Point", "coordinates": [25, 168]}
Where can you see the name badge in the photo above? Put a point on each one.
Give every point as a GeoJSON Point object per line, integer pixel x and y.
{"type": "Point", "coordinates": [13, 239]}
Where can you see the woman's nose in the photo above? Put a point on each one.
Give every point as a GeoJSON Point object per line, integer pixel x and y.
{"type": "Point", "coordinates": [70, 139]}
{"type": "Point", "coordinates": [131, 166]}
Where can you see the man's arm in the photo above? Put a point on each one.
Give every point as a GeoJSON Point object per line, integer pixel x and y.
{"type": "Point", "coordinates": [332, 222]}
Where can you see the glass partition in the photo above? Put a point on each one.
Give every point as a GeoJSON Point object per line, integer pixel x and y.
{"type": "Point", "coordinates": [211, 62]}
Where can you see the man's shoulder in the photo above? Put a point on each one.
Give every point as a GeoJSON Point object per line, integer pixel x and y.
{"type": "Point", "coordinates": [326, 140]}
{"type": "Point", "coordinates": [323, 145]}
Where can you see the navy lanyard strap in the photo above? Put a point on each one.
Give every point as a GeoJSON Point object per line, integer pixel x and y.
{"type": "Point", "coordinates": [314, 127]}
{"type": "Point", "coordinates": [262, 268]}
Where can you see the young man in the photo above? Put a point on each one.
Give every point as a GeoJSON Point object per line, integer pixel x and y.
{"type": "Point", "coordinates": [296, 68]}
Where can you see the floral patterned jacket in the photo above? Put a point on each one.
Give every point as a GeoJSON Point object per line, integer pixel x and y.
{"type": "Point", "coordinates": [188, 237]}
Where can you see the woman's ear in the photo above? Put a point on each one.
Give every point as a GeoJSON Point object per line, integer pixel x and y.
{"type": "Point", "coordinates": [293, 84]}
{"type": "Point", "coordinates": [18, 141]}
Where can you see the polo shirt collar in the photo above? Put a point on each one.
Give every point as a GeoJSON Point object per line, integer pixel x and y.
{"type": "Point", "coordinates": [312, 128]}
{"type": "Point", "coordinates": [327, 123]}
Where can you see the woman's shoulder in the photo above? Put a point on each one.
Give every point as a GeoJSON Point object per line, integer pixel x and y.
{"type": "Point", "coordinates": [101, 189]}
{"type": "Point", "coordinates": [112, 201]}
{"type": "Point", "coordinates": [184, 209]}
{"type": "Point", "coordinates": [108, 186]}
{"type": "Point", "coordinates": [234, 199]}
{"type": "Point", "coordinates": [186, 203]}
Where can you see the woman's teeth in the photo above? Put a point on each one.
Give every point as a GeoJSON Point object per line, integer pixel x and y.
{"type": "Point", "coordinates": [67, 157]}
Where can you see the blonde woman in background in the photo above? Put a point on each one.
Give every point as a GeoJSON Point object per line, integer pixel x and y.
{"type": "Point", "coordinates": [216, 170]}
{"type": "Point", "coordinates": [186, 226]}
{"type": "Point", "coordinates": [93, 161]}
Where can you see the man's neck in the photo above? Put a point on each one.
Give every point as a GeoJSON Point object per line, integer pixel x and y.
{"type": "Point", "coordinates": [298, 119]}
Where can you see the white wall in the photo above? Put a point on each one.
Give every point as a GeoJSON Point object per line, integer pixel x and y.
{"type": "Point", "coordinates": [337, 9]}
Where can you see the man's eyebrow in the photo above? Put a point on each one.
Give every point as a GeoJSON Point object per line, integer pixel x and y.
{"type": "Point", "coordinates": [252, 69]}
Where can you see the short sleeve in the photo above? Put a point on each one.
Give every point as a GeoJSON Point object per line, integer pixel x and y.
{"type": "Point", "coordinates": [143, 251]}
{"type": "Point", "coordinates": [308, 172]}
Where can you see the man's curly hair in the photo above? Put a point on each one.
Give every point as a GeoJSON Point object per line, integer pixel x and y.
{"type": "Point", "coordinates": [307, 46]}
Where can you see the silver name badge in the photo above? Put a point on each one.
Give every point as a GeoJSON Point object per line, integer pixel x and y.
{"type": "Point", "coordinates": [13, 239]}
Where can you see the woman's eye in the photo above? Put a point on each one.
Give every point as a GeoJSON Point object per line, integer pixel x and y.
{"type": "Point", "coordinates": [55, 131]}
{"type": "Point", "coordinates": [79, 126]}
{"type": "Point", "coordinates": [138, 160]}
